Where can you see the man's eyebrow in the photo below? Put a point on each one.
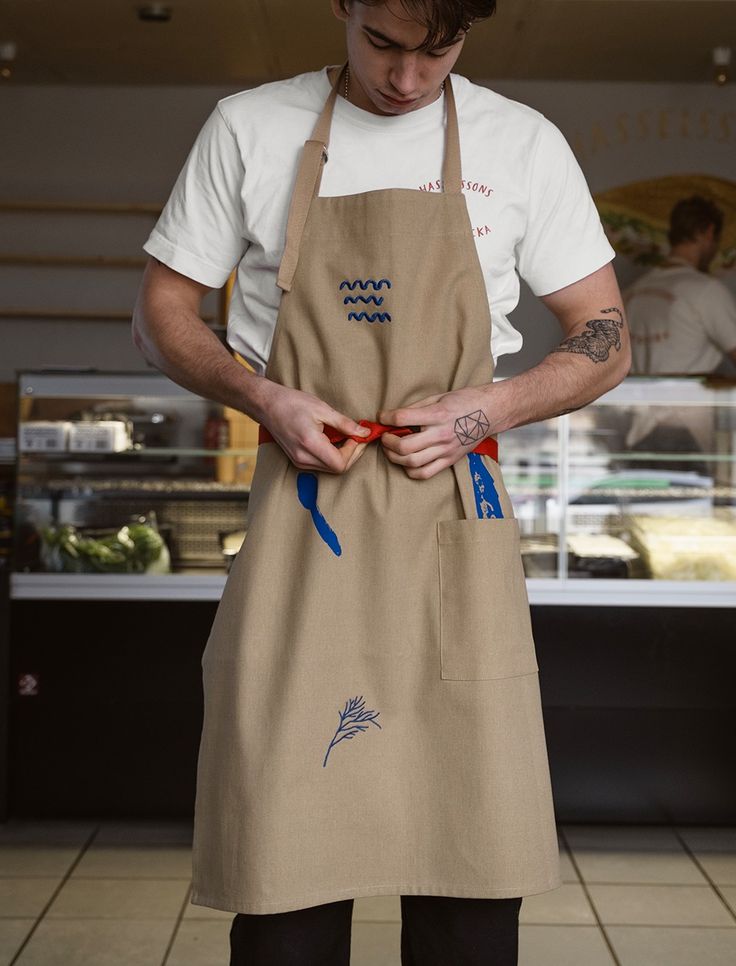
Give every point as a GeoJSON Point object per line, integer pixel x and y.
{"type": "Point", "coordinates": [389, 40]}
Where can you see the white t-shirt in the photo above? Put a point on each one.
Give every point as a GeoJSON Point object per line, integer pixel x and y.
{"type": "Point", "coordinates": [528, 201]}
{"type": "Point", "coordinates": [681, 320]}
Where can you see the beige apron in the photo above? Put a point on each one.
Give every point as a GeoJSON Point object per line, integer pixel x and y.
{"type": "Point", "coordinates": [372, 720]}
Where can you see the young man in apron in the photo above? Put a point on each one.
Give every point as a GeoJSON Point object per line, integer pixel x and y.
{"type": "Point", "coordinates": [372, 716]}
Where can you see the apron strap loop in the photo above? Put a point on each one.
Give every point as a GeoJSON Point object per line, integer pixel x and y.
{"type": "Point", "coordinates": [452, 164]}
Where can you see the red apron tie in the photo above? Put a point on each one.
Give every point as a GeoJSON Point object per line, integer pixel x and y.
{"type": "Point", "coordinates": [487, 447]}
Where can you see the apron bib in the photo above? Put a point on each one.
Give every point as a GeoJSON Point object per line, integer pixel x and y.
{"type": "Point", "coordinates": [372, 717]}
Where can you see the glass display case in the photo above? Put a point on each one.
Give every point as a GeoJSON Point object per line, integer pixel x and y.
{"type": "Point", "coordinates": [126, 483]}
{"type": "Point", "coordinates": [636, 491]}
{"type": "Point", "coordinates": [130, 486]}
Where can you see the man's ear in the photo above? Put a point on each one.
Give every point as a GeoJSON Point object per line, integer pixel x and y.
{"type": "Point", "coordinates": [340, 9]}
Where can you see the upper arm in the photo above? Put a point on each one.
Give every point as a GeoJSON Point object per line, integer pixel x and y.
{"type": "Point", "coordinates": [563, 240]}
{"type": "Point", "coordinates": [585, 298]}
{"type": "Point", "coordinates": [201, 230]}
{"type": "Point", "coordinates": [163, 284]}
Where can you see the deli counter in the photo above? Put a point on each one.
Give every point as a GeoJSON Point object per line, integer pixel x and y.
{"type": "Point", "coordinates": [131, 502]}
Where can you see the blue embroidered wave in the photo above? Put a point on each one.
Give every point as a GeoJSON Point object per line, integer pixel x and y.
{"type": "Point", "coordinates": [364, 285]}
{"type": "Point", "coordinates": [487, 502]}
{"type": "Point", "coordinates": [366, 300]}
{"type": "Point", "coordinates": [353, 720]}
{"type": "Point", "coordinates": [373, 317]}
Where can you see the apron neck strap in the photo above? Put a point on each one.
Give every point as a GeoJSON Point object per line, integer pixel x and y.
{"type": "Point", "coordinates": [315, 155]}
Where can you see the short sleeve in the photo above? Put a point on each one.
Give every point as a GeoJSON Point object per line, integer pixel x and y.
{"type": "Point", "coordinates": [200, 230]}
{"type": "Point", "coordinates": [718, 312]}
{"type": "Point", "coordinates": [564, 239]}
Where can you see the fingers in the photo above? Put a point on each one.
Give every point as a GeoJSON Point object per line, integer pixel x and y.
{"type": "Point", "coordinates": [355, 451]}
{"type": "Point", "coordinates": [344, 423]}
{"type": "Point", "coordinates": [418, 413]}
{"type": "Point", "coordinates": [416, 458]}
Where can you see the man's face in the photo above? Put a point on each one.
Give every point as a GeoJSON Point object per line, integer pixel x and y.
{"type": "Point", "coordinates": [388, 75]}
{"type": "Point", "coordinates": [708, 243]}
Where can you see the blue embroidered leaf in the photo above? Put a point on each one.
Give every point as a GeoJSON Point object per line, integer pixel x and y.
{"type": "Point", "coordinates": [353, 720]}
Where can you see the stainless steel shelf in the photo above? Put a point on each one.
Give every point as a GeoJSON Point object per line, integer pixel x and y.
{"type": "Point", "coordinates": [542, 591]}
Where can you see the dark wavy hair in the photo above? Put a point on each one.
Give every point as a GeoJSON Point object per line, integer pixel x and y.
{"type": "Point", "coordinates": [693, 215]}
{"type": "Point", "coordinates": [444, 19]}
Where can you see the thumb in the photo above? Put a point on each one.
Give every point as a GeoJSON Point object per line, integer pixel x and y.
{"type": "Point", "coordinates": [347, 425]}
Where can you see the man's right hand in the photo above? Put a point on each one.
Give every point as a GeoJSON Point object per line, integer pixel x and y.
{"type": "Point", "coordinates": [296, 420]}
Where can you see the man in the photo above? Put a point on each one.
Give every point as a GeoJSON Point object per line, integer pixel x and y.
{"type": "Point", "coordinates": [372, 713]}
{"type": "Point", "coordinates": [683, 320]}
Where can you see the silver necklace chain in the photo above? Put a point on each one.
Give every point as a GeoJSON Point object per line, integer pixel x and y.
{"type": "Point", "coordinates": [347, 84]}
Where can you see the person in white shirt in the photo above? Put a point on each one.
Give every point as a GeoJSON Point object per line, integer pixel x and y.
{"type": "Point", "coordinates": [682, 320]}
{"type": "Point", "coordinates": [362, 147]}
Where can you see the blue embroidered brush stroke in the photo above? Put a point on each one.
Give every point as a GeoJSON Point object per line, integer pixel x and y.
{"type": "Point", "coordinates": [353, 720]}
{"type": "Point", "coordinates": [368, 283]}
{"type": "Point", "coordinates": [306, 487]}
{"type": "Point", "coordinates": [366, 300]}
{"type": "Point", "coordinates": [373, 317]}
{"type": "Point", "coordinates": [487, 502]}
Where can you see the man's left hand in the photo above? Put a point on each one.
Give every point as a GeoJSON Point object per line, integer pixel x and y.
{"type": "Point", "coordinates": [440, 441]}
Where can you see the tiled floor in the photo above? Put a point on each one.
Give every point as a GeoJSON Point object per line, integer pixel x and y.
{"type": "Point", "coordinates": [107, 894]}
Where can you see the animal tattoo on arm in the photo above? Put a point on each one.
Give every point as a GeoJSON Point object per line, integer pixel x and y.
{"type": "Point", "coordinates": [603, 335]}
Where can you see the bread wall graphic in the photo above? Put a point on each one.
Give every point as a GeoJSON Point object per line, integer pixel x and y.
{"type": "Point", "coordinates": [636, 216]}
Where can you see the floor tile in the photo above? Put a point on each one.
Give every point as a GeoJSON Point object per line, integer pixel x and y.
{"type": "Point", "coordinates": [12, 934]}
{"type": "Point", "coordinates": [567, 904]}
{"type": "Point", "coordinates": [729, 894]}
{"type": "Point", "coordinates": [119, 899]}
{"type": "Point", "coordinates": [376, 944]}
{"type": "Point", "coordinates": [624, 865]}
{"type": "Point", "coordinates": [709, 839]}
{"type": "Point", "coordinates": [720, 866]}
{"type": "Point", "coordinates": [377, 909]}
{"type": "Point", "coordinates": [17, 832]}
{"type": "Point", "coordinates": [563, 946]}
{"type": "Point", "coordinates": [648, 946]}
{"type": "Point", "coordinates": [30, 860]}
{"type": "Point", "coordinates": [567, 869]}
{"type": "Point", "coordinates": [144, 833]}
{"type": "Point", "coordinates": [635, 838]}
{"type": "Point", "coordinates": [658, 905]}
{"type": "Point", "coordinates": [21, 898]}
{"type": "Point", "coordinates": [200, 943]}
{"type": "Point", "coordinates": [97, 942]}
{"type": "Point", "coordinates": [110, 862]}
{"type": "Point", "coordinates": [192, 911]}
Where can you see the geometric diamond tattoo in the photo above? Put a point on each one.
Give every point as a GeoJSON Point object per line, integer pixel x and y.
{"type": "Point", "coordinates": [471, 428]}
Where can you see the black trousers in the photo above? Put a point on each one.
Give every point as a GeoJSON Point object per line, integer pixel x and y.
{"type": "Point", "coordinates": [435, 931]}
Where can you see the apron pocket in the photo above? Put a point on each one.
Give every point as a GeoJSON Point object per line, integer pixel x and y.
{"type": "Point", "coordinates": [485, 627]}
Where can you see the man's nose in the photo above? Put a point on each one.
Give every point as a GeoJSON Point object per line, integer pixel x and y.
{"type": "Point", "coordinates": [403, 77]}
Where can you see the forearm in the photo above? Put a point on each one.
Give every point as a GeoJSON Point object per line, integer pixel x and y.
{"type": "Point", "coordinates": [175, 340]}
{"type": "Point", "coordinates": [579, 370]}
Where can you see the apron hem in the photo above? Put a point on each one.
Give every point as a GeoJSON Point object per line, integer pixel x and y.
{"type": "Point", "coordinates": [320, 898]}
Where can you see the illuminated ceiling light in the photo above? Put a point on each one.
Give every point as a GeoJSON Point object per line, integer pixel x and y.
{"type": "Point", "coordinates": [8, 50]}
{"type": "Point", "coordinates": [155, 13]}
{"type": "Point", "coordinates": [721, 63]}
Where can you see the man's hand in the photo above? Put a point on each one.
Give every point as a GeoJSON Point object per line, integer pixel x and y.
{"type": "Point", "coordinates": [296, 421]}
{"type": "Point", "coordinates": [441, 440]}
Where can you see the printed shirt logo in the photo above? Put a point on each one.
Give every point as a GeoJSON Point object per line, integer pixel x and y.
{"type": "Point", "coordinates": [376, 300]}
{"type": "Point", "coordinates": [353, 720]}
{"type": "Point", "coordinates": [469, 187]}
